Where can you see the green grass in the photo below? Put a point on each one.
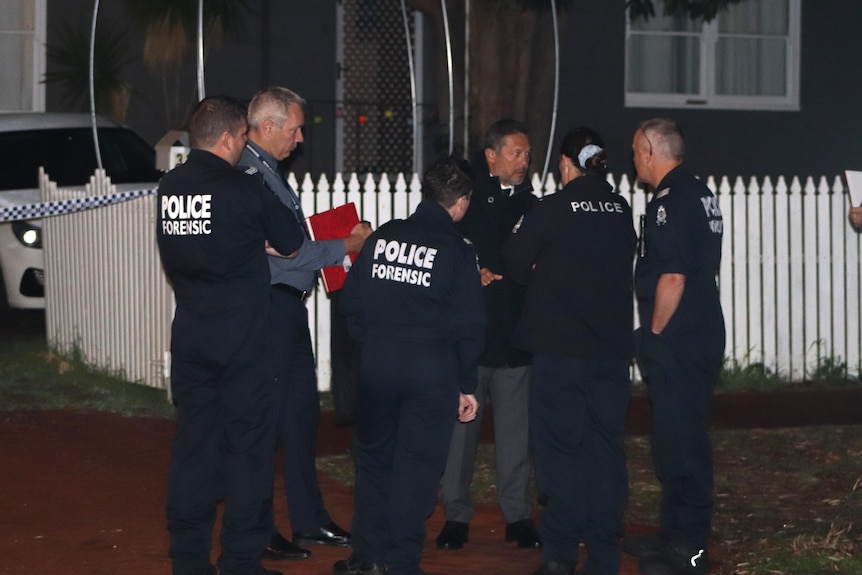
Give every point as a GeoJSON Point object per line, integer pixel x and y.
{"type": "Point", "coordinates": [748, 375]}
{"type": "Point", "coordinates": [33, 378]}
{"type": "Point", "coordinates": [826, 371]}
{"type": "Point", "coordinates": [744, 376]}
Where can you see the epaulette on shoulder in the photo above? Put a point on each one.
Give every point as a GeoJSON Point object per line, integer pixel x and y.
{"type": "Point", "coordinates": [518, 224]}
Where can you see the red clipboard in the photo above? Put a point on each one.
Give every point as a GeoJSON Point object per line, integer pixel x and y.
{"type": "Point", "coordinates": [334, 224]}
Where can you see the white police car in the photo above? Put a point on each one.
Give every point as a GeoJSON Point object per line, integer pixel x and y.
{"type": "Point", "coordinates": [63, 144]}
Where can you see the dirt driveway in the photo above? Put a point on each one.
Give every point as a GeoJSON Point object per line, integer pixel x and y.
{"type": "Point", "coordinates": [84, 493]}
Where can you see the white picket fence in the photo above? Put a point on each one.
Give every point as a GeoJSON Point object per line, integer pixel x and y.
{"type": "Point", "coordinates": [107, 298]}
{"type": "Point", "coordinates": [790, 278]}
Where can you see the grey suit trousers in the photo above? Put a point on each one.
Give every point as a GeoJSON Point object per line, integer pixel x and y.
{"type": "Point", "coordinates": [507, 389]}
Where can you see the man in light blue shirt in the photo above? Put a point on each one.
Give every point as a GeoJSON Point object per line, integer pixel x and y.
{"type": "Point", "coordinates": [276, 119]}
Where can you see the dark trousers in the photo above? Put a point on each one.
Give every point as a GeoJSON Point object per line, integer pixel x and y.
{"type": "Point", "coordinates": [223, 448]}
{"type": "Point", "coordinates": [407, 401]}
{"type": "Point", "coordinates": [298, 405]}
{"type": "Point", "coordinates": [577, 428]}
{"type": "Point", "coordinates": [681, 378]}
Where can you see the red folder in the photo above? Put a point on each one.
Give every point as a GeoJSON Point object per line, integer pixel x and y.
{"type": "Point", "coordinates": [334, 224]}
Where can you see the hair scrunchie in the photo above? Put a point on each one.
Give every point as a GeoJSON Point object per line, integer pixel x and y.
{"type": "Point", "coordinates": [586, 153]}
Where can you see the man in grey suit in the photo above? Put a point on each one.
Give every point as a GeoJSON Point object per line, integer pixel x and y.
{"type": "Point", "coordinates": [501, 195]}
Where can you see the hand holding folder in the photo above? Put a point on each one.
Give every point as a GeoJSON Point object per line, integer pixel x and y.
{"type": "Point", "coordinates": [333, 224]}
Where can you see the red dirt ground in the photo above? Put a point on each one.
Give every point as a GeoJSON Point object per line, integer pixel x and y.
{"type": "Point", "coordinates": [84, 493]}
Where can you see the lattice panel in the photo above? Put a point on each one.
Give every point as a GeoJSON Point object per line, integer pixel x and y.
{"type": "Point", "coordinates": [378, 131]}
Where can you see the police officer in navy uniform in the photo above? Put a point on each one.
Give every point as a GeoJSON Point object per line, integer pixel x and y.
{"type": "Point", "coordinates": [681, 346]}
{"type": "Point", "coordinates": [413, 301]}
{"type": "Point", "coordinates": [276, 121]}
{"type": "Point", "coordinates": [213, 224]}
{"type": "Point", "coordinates": [575, 252]}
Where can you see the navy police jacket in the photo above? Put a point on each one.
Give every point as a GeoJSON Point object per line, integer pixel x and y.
{"type": "Point", "coordinates": [574, 251]}
{"type": "Point", "coordinates": [212, 226]}
{"type": "Point", "coordinates": [683, 228]}
{"type": "Point", "coordinates": [418, 279]}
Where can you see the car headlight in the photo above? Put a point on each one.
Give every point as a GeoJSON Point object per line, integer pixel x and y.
{"type": "Point", "coordinates": [28, 234]}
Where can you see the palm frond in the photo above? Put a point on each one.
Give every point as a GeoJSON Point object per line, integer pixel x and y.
{"type": "Point", "coordinates": [68, 52]}
{"type": "Point", "coordinates": [170, 25]}
{"type": "Point", "coordinates": [705, 10]}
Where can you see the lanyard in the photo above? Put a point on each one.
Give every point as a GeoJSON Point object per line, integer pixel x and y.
{"type": "Point", "coordinates": [293, 197]}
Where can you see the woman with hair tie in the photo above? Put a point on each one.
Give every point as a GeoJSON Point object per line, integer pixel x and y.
{"type": "Point", "coordinates": [574, 251]}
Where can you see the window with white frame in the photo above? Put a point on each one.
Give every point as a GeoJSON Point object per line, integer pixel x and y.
{"type": "Point", "coordinates": [22, 43]}
{"type": "Point", "coordinates": [746, 58]}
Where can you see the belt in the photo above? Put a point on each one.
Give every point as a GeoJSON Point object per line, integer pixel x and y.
{"type": "Point", "coordinates": [297, 293]}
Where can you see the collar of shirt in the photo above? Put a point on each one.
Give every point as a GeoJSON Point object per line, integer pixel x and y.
{"type": "Point", "coordinates": [291, 198]}
{"type": "Point", "coordinates": [264, 157]}
{"type": "Point", "coordinates": [506, 190]}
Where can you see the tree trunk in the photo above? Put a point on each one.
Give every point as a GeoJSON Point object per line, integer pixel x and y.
{"type": "Point", "coordinates": [511, 69]}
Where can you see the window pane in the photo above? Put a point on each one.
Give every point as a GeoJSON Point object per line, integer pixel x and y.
{"type": "Point", "coordinates": [664, 64]}
{"type": "Point", "coordinates": [747, 58]}
{"type": "Point", "coordinates": [757, 17]}
{"type": "Point", "coordinates": [17, 15]}
{"type": "Point", "coordinates": [126, 157]}
{"type": "Point", "coordinates": [69, 157]}
{"type": "Point", "coordinates": [16, 72]}
{"type": "Point", "coordinates": [749, 67]}
{"type": "Point", "coordinates": [666, 24]}
{"type": "Point", "coordinates": [17, 28]}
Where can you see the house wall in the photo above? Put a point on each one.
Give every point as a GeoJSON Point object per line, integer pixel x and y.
{"type": "Point", "coordinates": [822, 138]}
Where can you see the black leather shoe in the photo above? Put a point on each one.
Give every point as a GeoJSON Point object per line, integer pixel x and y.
{"type": "Point", "coordinates": [329, 534]}
{"type": "Point", "coordinates": [353, 566]}
{"type": "Point", "coordinates": [676, 561]}
{"type": "Point", "coordinates": [453, 535]}
{"type": "Point", "coordinates": [280, 549]}
{"type": "Point", "coordinates": [642, 545]}
{"type": "Point", "coordinates": [524, 532]}
{"type": "Point", "coordinates": [211, 570]}
{"type": "Point", "coordinates": [556, 568]}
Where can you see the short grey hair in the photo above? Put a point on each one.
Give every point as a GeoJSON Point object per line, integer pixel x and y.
{"type": "Point", "coordinates": [665, 138]}
{"type": "Point", "coordinates": [272, 104]}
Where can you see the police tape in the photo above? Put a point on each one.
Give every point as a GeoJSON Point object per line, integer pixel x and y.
{"type": "Point", "coordinates": [60, 207]}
